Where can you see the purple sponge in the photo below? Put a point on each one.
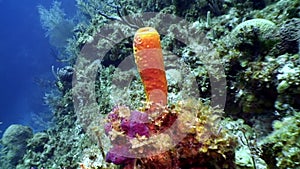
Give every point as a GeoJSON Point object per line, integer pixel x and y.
{"type": "Point", "coordinates": [137, 124]}
{"type": "Point", "coordinates": [117, 155]}
{"type": "Point", "coordinates": [130, 127]}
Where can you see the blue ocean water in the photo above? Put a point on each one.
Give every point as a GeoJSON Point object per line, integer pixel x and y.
{"type": "Point", "coordinates": [26, 58]}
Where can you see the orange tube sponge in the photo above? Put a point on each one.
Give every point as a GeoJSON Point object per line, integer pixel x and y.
{"type": "Point", "coordinates": [149, 60]}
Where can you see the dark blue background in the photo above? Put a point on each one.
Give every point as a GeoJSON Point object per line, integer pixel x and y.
{"type": "Point", "coordinates": [25, 55]}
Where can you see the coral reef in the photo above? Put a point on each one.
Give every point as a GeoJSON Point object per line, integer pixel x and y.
{"type": "Point", "coordinates": [257, 44]}
{"type": "Point", "coordinates": [162, 137]}
{"type": "Point", "coordinates": [139, 141]}
{"type": "Point", "coordinates": [59, 146]}
{"type": "Point", "coordinates": [281, 148]}
{"type": "Point", "coordinates": [248, 151]}
{"type": "Point", "coordinates": [14, 141]}
{"type": "Point", "coordinates": [64, 78]}
{"type": "Point", "coordinates": [51, 149]}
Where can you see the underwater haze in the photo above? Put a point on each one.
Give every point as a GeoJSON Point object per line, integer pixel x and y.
{"type": "Point", "coordinates": [26, 60]}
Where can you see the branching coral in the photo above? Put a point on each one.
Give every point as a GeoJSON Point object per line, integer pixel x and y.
{"type": "Point", "coordinates": [90, 8]}
{"type": "Point", "coordinates": [57, 28]}
{"type": "Point", "coordinates": [52, 17]}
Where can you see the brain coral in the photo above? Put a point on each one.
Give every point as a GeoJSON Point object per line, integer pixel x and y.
{"type": "Point", "coordinates": [255, 35]}
{"type": "Point", "coordinates": [15, 140]}
{"type": "Point", "coordinates": [264, 26]}
{"type": "Point", "coordinates": [290, 36]}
